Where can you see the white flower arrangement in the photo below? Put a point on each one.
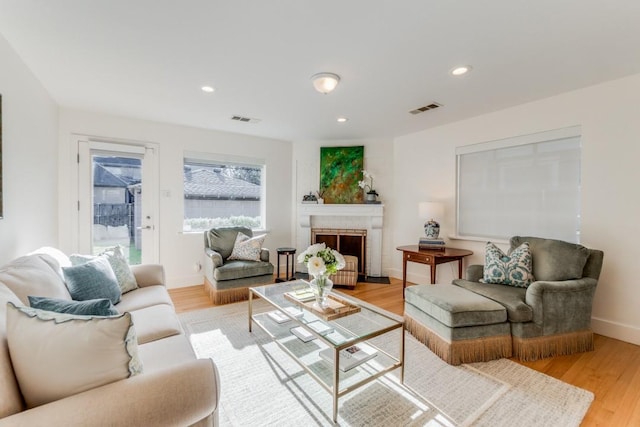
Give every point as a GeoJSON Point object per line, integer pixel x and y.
{"type": "Point", "coordinates": [367, 187]}
{"type": "Point", "coordinates": [321, 261]}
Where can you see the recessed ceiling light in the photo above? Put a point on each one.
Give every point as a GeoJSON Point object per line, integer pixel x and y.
{"type": "Point", "coordinates": [207, 89]}
{"type": "Point", "coordinates": [459, 71]}
{"type": "Point", "coordinates": [342, 119]}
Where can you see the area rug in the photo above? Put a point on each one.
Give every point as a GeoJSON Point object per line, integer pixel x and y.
{"type": "Point", "coordinates": [263, 386]}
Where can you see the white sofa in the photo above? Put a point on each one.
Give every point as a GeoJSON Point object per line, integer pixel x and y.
{"type": "Point", "coordinates": [175, 388]}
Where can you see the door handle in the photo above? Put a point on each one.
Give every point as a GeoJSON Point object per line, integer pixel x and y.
{"type": "Point", "coordinates": [146, 227]}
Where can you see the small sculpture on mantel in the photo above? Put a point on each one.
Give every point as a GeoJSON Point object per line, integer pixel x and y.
{"type": "Point", "coordinates": [309, 198]}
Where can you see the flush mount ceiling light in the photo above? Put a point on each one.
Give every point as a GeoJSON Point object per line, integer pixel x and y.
{"type": "Point", "coordinates": [342, 119]}
{"type": "Point", "coordinates": [207, 89]}
{"type": "Point", "coordinates": [461, 70]}
{"type": "Point", "coordinates": [325, 82]}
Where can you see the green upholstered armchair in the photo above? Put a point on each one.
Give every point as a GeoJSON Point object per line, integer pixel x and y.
{"type": "Point", "coordinates": [229, 280]}
{"type": "Point", "coordinates": [553, 315]}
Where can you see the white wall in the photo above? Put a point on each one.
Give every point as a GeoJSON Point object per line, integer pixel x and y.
{"type": "Point", "coordinates": [378, 155]}
{"type": "Point", "coordinates": [609, 115]}
{"type": "Point", "coordinates": [29, 153]}
{"type": "Point", "coordinates": [179, 252]}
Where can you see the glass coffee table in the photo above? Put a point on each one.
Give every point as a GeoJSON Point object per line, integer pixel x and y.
{"type": "Point", "coordinates": [315, 338]}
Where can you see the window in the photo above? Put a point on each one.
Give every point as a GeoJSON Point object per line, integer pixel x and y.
{"type": "Point", "coordinates": [527, 185]}
{"type": "Point", "coordinates": [222, 193]}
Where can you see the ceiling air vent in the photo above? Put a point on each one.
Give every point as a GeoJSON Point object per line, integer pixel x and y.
{"type": "Point", "coordinates": [245, 119]}
{"type": "Point", "coordinates": [431, 106]}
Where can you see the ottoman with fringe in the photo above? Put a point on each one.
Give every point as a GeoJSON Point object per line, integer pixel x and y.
{"type": "Point", "coordinates": [456, 324]}
{"type": "Point", "coordinates": [220, 296]}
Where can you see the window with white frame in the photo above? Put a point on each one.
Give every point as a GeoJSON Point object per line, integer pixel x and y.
{"type": "Point", "coordinates": [527, 185]}
{"type": "Point", "coordinates": [220, 191]}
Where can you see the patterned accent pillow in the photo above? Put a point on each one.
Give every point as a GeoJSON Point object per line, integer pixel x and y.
{"type": "Point", "coordinates": [82, 352]}
{"type": "Point", "coordinates": [513, 270]}
{"type": "Point", "coordinates": [119, 264]}
{"type": "Point", "coordinates": [92, 307]}
{"type": "Point", "coordinates": [92, 280]}
{"type": "Point", "coordinates": [246, 248]}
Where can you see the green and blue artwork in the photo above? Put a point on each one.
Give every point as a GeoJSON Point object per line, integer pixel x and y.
{"type": "Point", "coordinates": [340, 172]}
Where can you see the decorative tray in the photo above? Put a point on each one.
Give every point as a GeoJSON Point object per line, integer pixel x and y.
{"type": "Point", "coordinates": [338, 307]}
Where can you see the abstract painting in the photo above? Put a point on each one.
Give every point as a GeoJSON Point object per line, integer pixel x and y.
{"type": "Point", "coordinates": [340, 171]}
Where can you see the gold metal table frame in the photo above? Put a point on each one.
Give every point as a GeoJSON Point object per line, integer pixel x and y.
{"type": "Point", "coordinates": [274, 295]}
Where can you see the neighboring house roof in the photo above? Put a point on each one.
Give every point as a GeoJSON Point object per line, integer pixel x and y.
{"type": "Point", "coordinates": [212, 184]}
{"type": "Point", "coordinates": [116, 171]}
{"type": "Point", "coordinates": [103, 178]}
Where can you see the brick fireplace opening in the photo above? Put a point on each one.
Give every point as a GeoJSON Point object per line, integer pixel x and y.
{"type": "Point", "coordinates": [346, 241]}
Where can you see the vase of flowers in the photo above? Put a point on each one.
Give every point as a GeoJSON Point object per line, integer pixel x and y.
{"type": "Point", "coordinates": [368, 187]}
{"type": "Point", "coordinates": [321, 263]}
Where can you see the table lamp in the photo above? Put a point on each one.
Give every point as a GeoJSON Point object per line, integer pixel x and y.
{"type": "Point", "coordinates": [429, 211]}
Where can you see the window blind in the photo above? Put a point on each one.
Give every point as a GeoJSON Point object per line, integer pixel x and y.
{"type": "Point", "coordinates": [526, 185]}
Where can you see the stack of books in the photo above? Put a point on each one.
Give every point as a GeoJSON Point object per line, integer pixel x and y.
{"type": "Point", "coordinates": [350, 357]}
{"type": "Point", "coordinates": [431, 244]}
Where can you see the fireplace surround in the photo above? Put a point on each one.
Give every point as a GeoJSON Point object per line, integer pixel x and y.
{"type": "Point", "coordinates": [363, 217]}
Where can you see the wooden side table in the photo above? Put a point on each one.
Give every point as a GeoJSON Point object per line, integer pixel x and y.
{"type": "Point", "coordinates": [431, 258]}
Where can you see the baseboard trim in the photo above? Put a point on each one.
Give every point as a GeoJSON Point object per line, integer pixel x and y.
{"type": "Point", "coordinates": [616, 330]}
{"type": "Point", "coordinates": [185, 282]}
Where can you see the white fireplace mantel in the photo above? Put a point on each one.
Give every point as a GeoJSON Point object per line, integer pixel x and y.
{"type": "Point", "coordinates": [373, 211]}
{"type": "Point", "coordinates": [365, 216]}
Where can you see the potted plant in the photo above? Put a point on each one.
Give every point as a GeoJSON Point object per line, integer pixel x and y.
{"type": "Point", "coordinates": [368, 187]}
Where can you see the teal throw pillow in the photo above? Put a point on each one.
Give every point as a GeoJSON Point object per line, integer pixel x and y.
{"type": "Point", "coordinates": [92, 307]}
{"type": "Point", "coordinates": [119, 264]}
{"type": "Point", "coordinates": [92, 280]}
{"type": "Point", "coordinates": [514, 269]}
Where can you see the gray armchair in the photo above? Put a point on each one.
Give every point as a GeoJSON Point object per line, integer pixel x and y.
{"type": "Point", "coordinates": [553, 315]}
{"type": "Point", "coordinates": [227, 280]}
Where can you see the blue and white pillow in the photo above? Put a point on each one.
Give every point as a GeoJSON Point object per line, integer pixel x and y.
{"type": "Point", "coordinates": [513, 270]}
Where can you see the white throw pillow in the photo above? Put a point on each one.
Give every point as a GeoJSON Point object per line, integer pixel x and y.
{"type": "Point", "coordinates": [55, 355]}
{"type": "Point", "coordinates": [246, 248]}
{"type": "Point", "coordinates": [33, 275]}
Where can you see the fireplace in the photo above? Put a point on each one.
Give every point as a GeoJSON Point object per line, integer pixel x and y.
{"type": "Point", "coordinates": [345, 241]}
{"type": "Point", "coordinates": [363, 218]}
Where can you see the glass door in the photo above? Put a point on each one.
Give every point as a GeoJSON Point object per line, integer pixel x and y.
{"type": "Point", "coordinates": [116, 200]}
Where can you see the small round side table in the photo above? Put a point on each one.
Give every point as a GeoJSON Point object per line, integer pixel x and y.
{"type": "Point", "coordinates": [289, 254]}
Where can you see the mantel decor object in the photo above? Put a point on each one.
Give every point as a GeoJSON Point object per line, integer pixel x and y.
{"type": "Point", "coordinates": [309, 199]}
{"type": "Point", "coordinates": [368, 187]}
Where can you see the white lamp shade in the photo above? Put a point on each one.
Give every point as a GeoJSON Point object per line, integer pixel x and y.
{"type": "Point", "coordinates": [431, 210]}
{"type": "Point", "coordinates": [325, 82]}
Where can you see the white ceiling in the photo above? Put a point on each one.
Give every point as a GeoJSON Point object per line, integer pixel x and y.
{"type": "Point", "coordinates": [148, 58]}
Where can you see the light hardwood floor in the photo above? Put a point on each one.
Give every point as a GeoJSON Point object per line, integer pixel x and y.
{"type": "Point", "coordinates": [611, 372]}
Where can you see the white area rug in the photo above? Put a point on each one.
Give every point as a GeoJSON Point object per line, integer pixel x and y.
{"type": "Point", "coordinates": [262, 386]}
